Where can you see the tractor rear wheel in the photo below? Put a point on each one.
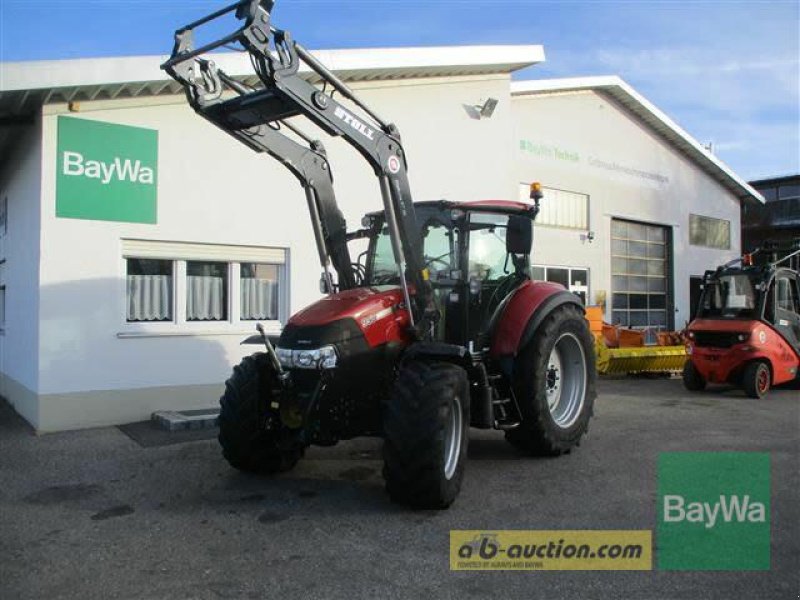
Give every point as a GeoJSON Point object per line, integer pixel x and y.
{"type": "Point", "coordinates": [251, 435]}
{"type": "Point", "coordinates": [554, 381]}
{"type": "Point", "coordinates": [756, 379]}
{"type": "Point", "coordinates": [692, 379]}
{"type": "Point", "coordinates": [426, 423]}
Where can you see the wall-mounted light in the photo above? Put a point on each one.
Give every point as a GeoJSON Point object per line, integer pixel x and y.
{"type": "Point", "coordinates": [486, 110]}
{"type": "Point", "coordinates": [481, 111]}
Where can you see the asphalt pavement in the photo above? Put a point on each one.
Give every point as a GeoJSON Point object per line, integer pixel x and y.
{"type": "Point", "coordinates": [94, 514]}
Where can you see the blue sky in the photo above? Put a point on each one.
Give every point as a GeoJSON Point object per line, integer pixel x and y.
{"type": "Point", "coordinates": [727, 72]}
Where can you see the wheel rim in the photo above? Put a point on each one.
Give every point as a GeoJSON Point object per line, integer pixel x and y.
{"type": "Point", "coordinates": [763, 380]}
{"type": "Point", "coordinates": [565, 381]}
{"type": "Point", "coordinates": [453, 435]}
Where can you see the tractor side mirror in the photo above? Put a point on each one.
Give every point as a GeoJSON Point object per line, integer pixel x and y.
{"type": "Point", "coordinates": [519, 235]}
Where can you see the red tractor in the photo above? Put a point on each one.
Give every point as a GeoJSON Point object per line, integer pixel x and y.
{"type": "Point", "coordinates": [436, 327]}
{"type": "Point", "coordinates": [747, 330]}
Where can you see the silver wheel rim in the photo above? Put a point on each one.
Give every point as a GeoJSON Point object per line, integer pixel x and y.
{"type": "Point", "coordinates": [452, 438]}
{"type": "Point", "coordinates": [565, 380]}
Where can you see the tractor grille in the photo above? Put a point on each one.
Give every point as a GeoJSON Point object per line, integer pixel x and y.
{"type": "Point", "coordinates": [716, 339]}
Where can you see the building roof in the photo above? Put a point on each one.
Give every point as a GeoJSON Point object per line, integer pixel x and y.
{"type": "Point", "coordinates": [633, 101]}
{"type": "Point", "coordinates": [24, 86]}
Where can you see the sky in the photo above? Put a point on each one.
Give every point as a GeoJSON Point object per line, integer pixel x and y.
{"type": "Point", "coordinates": [728, 72]}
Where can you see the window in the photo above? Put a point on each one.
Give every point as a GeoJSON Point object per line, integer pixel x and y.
{"type": "Point", "coordinates": [787, 295]}
{"type": "Point", "coordinates": [709, 232]}
{"type": "Point", "coordinates": [487, 247]}
{"type": "Point", "coordinates": [789, 191]}
{"type": "Point", "coordinates": [439, 253]}
{"type": "Point", "coordinates": [576, 280]}
{"type": "Point", "coordinates": [729, 296]}
{"type": "Point", "coordinates": [206, 291]}
{"type": "Point", "coordinates": [172, 284]}
{"type": "Point", "coordinates": [259, 292]}
{"type": "Point", "coordinates": [149, 289]}
{"type": "Point", "coordinates": [559, 208]}
{"type": "Point", "coordinates": [2, 308]}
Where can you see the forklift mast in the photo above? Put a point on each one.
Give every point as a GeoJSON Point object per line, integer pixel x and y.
{"type": "Point", "coordinates": [255, 116]}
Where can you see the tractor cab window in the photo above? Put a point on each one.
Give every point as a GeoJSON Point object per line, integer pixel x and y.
{"type": "Point", "coordinates": [439, 253]}
{"type": "Point", "coordinates": [440, 249]}
{"type": "Point", "coordinates": [384, 269]}
{"type": "Point", "coordinates": [487, 247]}
{"type": "Point", "coordinates": [729, 296]}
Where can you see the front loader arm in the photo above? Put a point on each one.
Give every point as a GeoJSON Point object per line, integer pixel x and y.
{"type": "Point", "coordinates": [276, 59]}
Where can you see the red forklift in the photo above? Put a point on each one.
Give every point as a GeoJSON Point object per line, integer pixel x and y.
{"type": "Point", "coordinates": [747, 328]}
{"type": "Point", "coordinates": [436, 327]}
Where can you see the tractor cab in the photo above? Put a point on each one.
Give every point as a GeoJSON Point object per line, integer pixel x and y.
{"type": "Point", "coordinates": [475, 254]}
{"type": "Point", "coordinates": [747, 327]}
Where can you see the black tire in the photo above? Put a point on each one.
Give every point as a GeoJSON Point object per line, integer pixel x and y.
{"type": "Point", "coordinates": [416, 421]}
{"type": "Point", "coordinates": [692, 379]}
{"type": "Point", "coordinates": [756, 379]}
{"type": "Point", "coordinates": [246, 442]}
{"type": "Point", "coordinates": [540, 433]}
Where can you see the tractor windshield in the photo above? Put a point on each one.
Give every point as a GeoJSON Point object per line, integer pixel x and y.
{"type": "Point", "coordinates": [440, 250]}
{"type": "Point", "coordinates": [729, 296]}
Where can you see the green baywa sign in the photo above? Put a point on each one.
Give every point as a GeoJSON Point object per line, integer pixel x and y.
{"type": "Point", "coordinates": [713, 511]}
{"type": "Point", "coordinates": [106, 172]}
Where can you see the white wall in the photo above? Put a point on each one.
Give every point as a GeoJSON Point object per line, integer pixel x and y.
{"type": "Point", "coordinates": [19, 248]}
{"type": "Point", "coordinates": [570, 131]}
{"type": "Point", "coordinates": [212, 189]}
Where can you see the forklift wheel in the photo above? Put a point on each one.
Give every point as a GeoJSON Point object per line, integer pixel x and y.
{"type": "Point", "coordinates": [555, 385]}
{"type": "Point", "coordinates": [246, 442]}
{"type": "Point", "coordinates": [692, 379]}
{"type": "Point", "coordinates": [425, 423]}
{"type": "Point", "coordinates": [756, 379]}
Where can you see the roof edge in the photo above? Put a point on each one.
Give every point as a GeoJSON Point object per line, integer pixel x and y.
{"type": "Point", "coordinates": [35, 75]}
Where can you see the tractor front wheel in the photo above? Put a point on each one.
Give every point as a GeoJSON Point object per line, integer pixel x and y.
{"type": "Point", "coordinates": [692, 379]}
{"type": "Point", "coordinates": [756, 379]}
{"type": "Point", "coordinates": [250, 433]}
{"type": "Point", "coordinates": [555, 385]}
{"type": "Point", "coordinates": [426, 423]}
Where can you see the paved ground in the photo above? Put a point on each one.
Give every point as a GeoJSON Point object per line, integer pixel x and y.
{"type": "Point", "coordinates": [92, 514]}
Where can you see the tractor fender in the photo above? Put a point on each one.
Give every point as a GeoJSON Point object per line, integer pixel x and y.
{"type": "Point", "coordinates": [527, 308]}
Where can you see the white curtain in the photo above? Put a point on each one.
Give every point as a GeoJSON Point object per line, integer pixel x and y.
{"type": "Point", "coordinates": [259, 299]}
{"type": "Point", "coordinates": [149, 297]}
{"type": "Point", "coordinates": [205, 298]}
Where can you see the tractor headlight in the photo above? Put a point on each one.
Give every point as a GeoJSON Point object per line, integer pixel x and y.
{"type": "Point", "coordinates": [316, 358]}
{"type": "Point", "coordinates": [743, 337]}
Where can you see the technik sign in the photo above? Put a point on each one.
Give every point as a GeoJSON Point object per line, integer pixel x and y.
{"type": "Point", "coordinates": [106, 172]}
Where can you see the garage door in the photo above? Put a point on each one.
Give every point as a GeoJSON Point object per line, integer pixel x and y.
{"type": "Point", "coordinates": [641, 294]}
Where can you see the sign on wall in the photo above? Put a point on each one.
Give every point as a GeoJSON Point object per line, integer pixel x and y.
{"type": "Point", "coordinates": [106, 171]}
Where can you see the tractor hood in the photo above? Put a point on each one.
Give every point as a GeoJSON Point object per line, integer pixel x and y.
{"type": "Point", "coordinates": [373, 314]}
{"type": "Point", "coordinates": [357, 304]}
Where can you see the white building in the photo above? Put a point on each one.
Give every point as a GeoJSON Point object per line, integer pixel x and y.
{"type": "Point", "coordinates": [634, 208]}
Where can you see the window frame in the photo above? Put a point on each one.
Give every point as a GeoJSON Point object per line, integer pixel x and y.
{"type": "Point", "coordinates": [180, 325]}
